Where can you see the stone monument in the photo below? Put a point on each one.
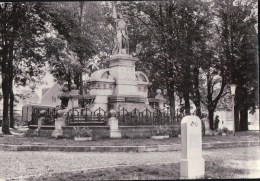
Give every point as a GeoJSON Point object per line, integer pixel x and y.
{"type": "Point", "coordinates": [192, 164]}
{"type": "Point", "coordinates": [119, 86]}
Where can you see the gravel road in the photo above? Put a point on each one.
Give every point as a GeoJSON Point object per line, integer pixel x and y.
{"type": "Point", "coordinates": [22, 164]}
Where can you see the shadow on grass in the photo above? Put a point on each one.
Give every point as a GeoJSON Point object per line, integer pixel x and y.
{"type": "Point", "coordinates": [143, 172]}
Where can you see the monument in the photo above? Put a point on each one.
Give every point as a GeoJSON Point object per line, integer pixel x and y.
{"type": "Point", "coordinates": [192, 164]}
{"type": "Point", "coordinates": [119, 86]}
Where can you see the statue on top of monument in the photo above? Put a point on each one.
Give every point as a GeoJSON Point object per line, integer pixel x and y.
{"type": "Point", "coordinates": [121, 40]}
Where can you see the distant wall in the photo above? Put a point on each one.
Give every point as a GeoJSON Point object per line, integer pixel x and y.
{"type": "Point", "coordinates": [227, 119]}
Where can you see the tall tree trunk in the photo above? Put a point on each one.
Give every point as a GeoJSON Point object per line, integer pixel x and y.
{"type": "Point", "coordinates": [237, 123]}
{"type": "Point", "coordinates": [12, 121]}
{"type": "Point", "coordinates": [11, 103]}
{"type": "Point", "coordinates": [210, 101]}
{"type": "Point", "coordinates": [187, 104]}
{"type": "Point", "coordinates": [5, 87]}
{"type": "Point", "coordinates": [81, 84]}
{"type": "Point", "coordinates": [211, 118]}
{"type": "Point", "coordinates": [186, 92]}
{"type": "Point", "coordinates": [197, 99]}
{"type": "Point", "coordinates": [81, 6]}
{"type": "Point", "coordinates": [170, 92]}
{"type": "Point", "coordinates": [244, 119]}
{"type": "Point", "coordinates": [77, 80]}
{"type": "Point", "coordinates": [6, 91]}
{"type": "Point", "coordinates": [69, 81]}
{"type": "Point", "coordinates": [243, 108]}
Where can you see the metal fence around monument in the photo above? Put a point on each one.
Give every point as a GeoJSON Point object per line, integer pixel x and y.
{"type": "Point", "coordinates": [85, 115]}
{"type": "Point", "coordinates": [125, 117]}
{"type": "Point", "coordinates": [146, 117]}
{"type": "Point", "coordinates": [49, 116]}
{"type": "Point", "coordinates": [100, 117]}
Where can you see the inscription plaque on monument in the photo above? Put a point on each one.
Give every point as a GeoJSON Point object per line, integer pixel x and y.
{"type": "Point", "coordinates": [194, 141]}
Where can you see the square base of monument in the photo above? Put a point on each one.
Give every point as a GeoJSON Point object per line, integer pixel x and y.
{"type": "Point", "coordinates": [115, 134]}
{"type": "Point", "coordinates": [192, 168]}
{"type": "Point", "coordinates": [117, 102]}
{"type": "Point", "coordinates": [57, 133]}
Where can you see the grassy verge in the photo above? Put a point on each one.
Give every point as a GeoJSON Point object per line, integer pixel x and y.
{"type": "Point", "coordinates": [22, 140]}
{"type": "Point", "coordinates": [144, 172]}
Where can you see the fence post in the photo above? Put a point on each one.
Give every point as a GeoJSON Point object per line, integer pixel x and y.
{"type": "Point", "coordinates": [114, 132]}
{"type": "Point", "coordinates": [40, 121]}
{"type": "Point", "coordinates": [59, 122]}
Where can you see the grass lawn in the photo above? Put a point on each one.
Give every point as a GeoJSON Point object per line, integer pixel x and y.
{"type": "Point", "coordinates": [19, 139]}
{"type": "Point", "coordinates": [144, 172]}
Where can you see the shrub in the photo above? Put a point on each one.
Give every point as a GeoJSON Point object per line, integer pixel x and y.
{"type": "Point", "coordinates": [81, 132]}
{"type": "Point", "coordinates": [159, 131]}
{"type": "Point", "coordinates": [225, 130]}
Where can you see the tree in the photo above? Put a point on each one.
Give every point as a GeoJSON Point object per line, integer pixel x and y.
{"type": "Point", "coordinates": [237, 35]}
{"type": "Point", "coordinates": [20, 25]}
{"type": "Point", "coordinates": [63, 61]}
{"type": "Point", "coordinates": [167, 36]}
{"type": "Point", "coordinates": [82, 27]}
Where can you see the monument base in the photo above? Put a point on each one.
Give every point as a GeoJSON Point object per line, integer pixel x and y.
{"type": "Point", "coordinates": [57, 132]}
{"type": "Point", "coordinates": [118, 102]}
{"type": "Point", "coordinates": [192, 168]}
{"type": "Point", "coordinates": [115, 134]}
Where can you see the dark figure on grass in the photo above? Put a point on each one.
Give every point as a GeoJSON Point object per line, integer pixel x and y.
{"type": "Point", "coordinates": [216, 123]}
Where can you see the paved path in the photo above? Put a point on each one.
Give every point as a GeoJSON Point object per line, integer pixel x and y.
{"type": "Point", "coordinates": [15, 164]}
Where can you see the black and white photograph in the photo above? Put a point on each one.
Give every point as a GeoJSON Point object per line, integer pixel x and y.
{"type": "Point", "coordinates": [129, 90]}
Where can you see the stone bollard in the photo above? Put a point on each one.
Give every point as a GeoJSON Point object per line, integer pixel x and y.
{"type": "Point", "coordinates": [160, 99]}
{"type": "Point", "coordinates": [40, 121]}
{"type": "Point", "coordinates": [192, 164]}
{"type": "Point", "coordinates": [59, 122]}
{"type": "Point", "coordinates": [114, 132]}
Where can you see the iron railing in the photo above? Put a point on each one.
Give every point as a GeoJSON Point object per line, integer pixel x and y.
{"type": "Point", "coordinates": [100, 116]}
{"type": "Point", "coordinates": [50, 115]}
{"type": "Point", "coordinates": [85, 115]}
{"type": "Point", "coordinates": [146, 117]}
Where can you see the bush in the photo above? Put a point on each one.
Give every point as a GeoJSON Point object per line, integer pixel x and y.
{"type": "Point", "coordinates": [160, 131]}
{"type": "Point", "coordinates": [225, 130]}
{"type": "Point", "coordinates": [81, 132]}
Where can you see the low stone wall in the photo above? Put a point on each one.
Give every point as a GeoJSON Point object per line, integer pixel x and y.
{"type": "Point", "coordinates": [144, 131]}
{"type": "Point", "coordinates": [103, 131]}
{"type": "Point", "coordinates": [97, 131]}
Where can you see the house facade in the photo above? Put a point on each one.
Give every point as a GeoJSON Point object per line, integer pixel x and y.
{"type": "Point", "coordinates": [50, 96]}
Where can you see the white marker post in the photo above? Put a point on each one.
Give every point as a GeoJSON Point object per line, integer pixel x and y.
{"type": "Point", "coordinates": [192, 164]}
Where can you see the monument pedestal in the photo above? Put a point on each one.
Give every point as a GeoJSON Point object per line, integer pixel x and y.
{"type": "Point", "coordinates": [192, 168]}
{"type": "Point", "coordinates": [127, 92]}
{"type": "Point", "coordinates": [119, 86]}
{"type": "Point", "coordinates": [117, 102]}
